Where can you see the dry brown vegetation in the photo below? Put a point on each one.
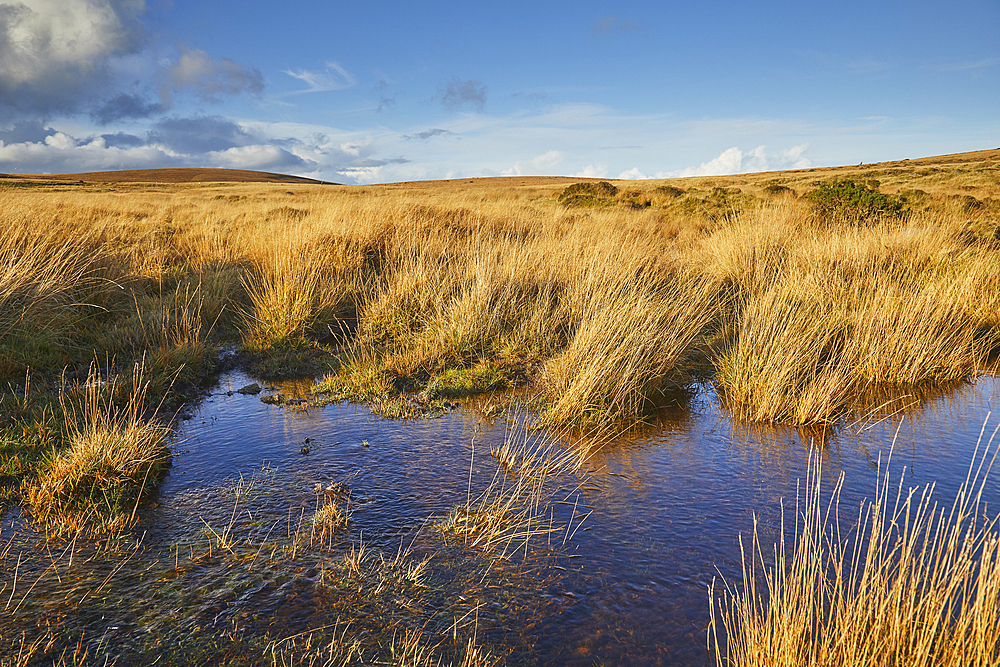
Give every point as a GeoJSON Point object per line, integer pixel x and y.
{"type": "Point", "coordinates": [605, 304]}
{"type": "Point", "coordinates": [912, 583]}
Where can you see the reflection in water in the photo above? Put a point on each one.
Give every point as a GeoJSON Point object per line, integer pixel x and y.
{"type": "Point", "coordinates": [657, 517]}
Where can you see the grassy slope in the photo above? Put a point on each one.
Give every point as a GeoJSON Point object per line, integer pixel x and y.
{"type": "Point", "coordinates": [182, 175]}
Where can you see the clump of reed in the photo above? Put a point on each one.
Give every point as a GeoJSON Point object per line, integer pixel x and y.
{"type": "Point", "coordinates": [328, 519]}
{"type": "Point", "coordinates": [412, 650]}
{"type": "Point", "coordinates": [113, 460]}
{"type": "Point", "coordinates": [634, 334]}
{"type": "Point", "coordinates": [786, 362]}
{"type": "Point", "coordinates": [911, 583]}
{"type": "Point", "coordinates": [289, 292]}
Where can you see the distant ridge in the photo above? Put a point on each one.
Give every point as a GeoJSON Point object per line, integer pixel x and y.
{"type": "Point", "coordinates": [205, 175]}
{"type": "Point", "coordinates": [183, 175]}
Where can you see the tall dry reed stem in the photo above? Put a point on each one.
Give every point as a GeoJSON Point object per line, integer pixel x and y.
{"type": "Point", "coordinates": [911, 583]}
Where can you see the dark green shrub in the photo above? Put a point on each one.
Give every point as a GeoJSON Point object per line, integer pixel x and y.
{"type": "Point", "coordinates": [851, 201]}
{"type": "Point", "coordinates": [669, 191]}
{"type": "Point", "coordinates": [776, 190]}
{"type": "Point", "coordinates": [587, 194]}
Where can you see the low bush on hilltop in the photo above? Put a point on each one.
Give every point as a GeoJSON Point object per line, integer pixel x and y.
{"type": "Point", "coordinates": [848, 200]}
{"type": "Point", "coordinates": [587, 194]}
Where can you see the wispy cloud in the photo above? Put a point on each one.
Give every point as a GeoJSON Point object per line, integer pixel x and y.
{"type": "Point", "coordinates": [538, 166]}
{"type": "Point", "coordinates": [457, 94]}
{"type": "Point", "coordinates": [429, 134]}
{"type": "Point", "coordinates": [611, 24]}
{"type": "Point", "coordinates": [332, 77]}
{"type": "Point", "coordinates": [384, 100]}
{"type": "Point", "coordinates": [958, 67]}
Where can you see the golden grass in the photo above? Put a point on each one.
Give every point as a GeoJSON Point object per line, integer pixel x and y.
{"type": "Point", "coordinates": [602, 309]}
{"type": "Point", "coordinates": [634, 332]}
{"type": "Point", "coordinates": [911, 583]}
{"type": "Point", "coordinates": [113, 461]}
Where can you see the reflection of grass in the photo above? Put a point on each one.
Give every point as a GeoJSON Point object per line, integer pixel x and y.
{"type": "Point", "coordinates": [911, 584]}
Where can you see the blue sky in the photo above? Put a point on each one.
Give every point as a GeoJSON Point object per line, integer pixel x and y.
{"type": "Point", "coordinates": [390, 91]}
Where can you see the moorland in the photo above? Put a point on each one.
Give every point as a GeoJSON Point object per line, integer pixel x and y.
{"type": "Point", "coordinates": [800, 296]}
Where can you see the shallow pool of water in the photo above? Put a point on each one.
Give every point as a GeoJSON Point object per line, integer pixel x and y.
{"type": "Point", "coordinates": [654, 517]}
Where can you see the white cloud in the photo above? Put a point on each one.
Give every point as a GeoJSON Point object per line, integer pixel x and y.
{"type": "Point", "coordinates": [334, 77]}
{"type": "Point", "coordinates": [734, 161]}
{"type": "Point", "coordinates": [256, 157]}
{"type": "Point", "coordinates": [53, 52]}
{"type": "Point", "coordinates": [632, 174]}
{"type": "Point", "coordinates": [539, 166]}
{"type": "Point", "coordinates": [60, 153]}
{"type": "Point", "coordinates": [593, 171]}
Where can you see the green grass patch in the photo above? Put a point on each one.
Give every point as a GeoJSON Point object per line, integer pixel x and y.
{"type": "Point", "coordinates": [600, 193]}
{"type": "Point", "coordinates": [276, 363]}
{"type": "Point", "coordinates": [457, 382]}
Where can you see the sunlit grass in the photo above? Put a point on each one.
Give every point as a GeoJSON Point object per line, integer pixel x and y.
{"type": "Point", "coordinates": [905, 582]}
{"type": "Point", "coordinates": [113, 461]}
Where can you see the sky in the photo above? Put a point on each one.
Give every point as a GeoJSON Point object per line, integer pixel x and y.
{"type": "Point", "coordinates": [374, 92]}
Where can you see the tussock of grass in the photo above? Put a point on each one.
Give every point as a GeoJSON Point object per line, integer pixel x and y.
{"type": "Point", "coordinates": [912, 583]}
{"type": "Point", "coordinates": [328, 519]}
{"type": "Point", "coordinates": [821, 315]}
{"type": "Point", "coordinates": [113, 460]}
{"type": "Point", "coordinates": [632, 337]}
{"type": "Point", "coordinates": [39, 272]}
{"type": "Point", "coordinates": [786, 363]}
{"type": "Point", "coordinates": [283, 298]}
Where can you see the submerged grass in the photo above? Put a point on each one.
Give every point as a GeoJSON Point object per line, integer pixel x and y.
{"type": "Point", "coordinates": [513, 509]}
{"type": "Point", "coordinates": [911, 583]}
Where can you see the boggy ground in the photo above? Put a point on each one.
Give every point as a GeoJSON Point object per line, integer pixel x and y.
{"type": "Point", "coordinates": [798, 294]}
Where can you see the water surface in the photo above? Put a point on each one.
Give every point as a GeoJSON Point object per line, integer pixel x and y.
{"type": "Point", "coordinates": [654, 517]}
